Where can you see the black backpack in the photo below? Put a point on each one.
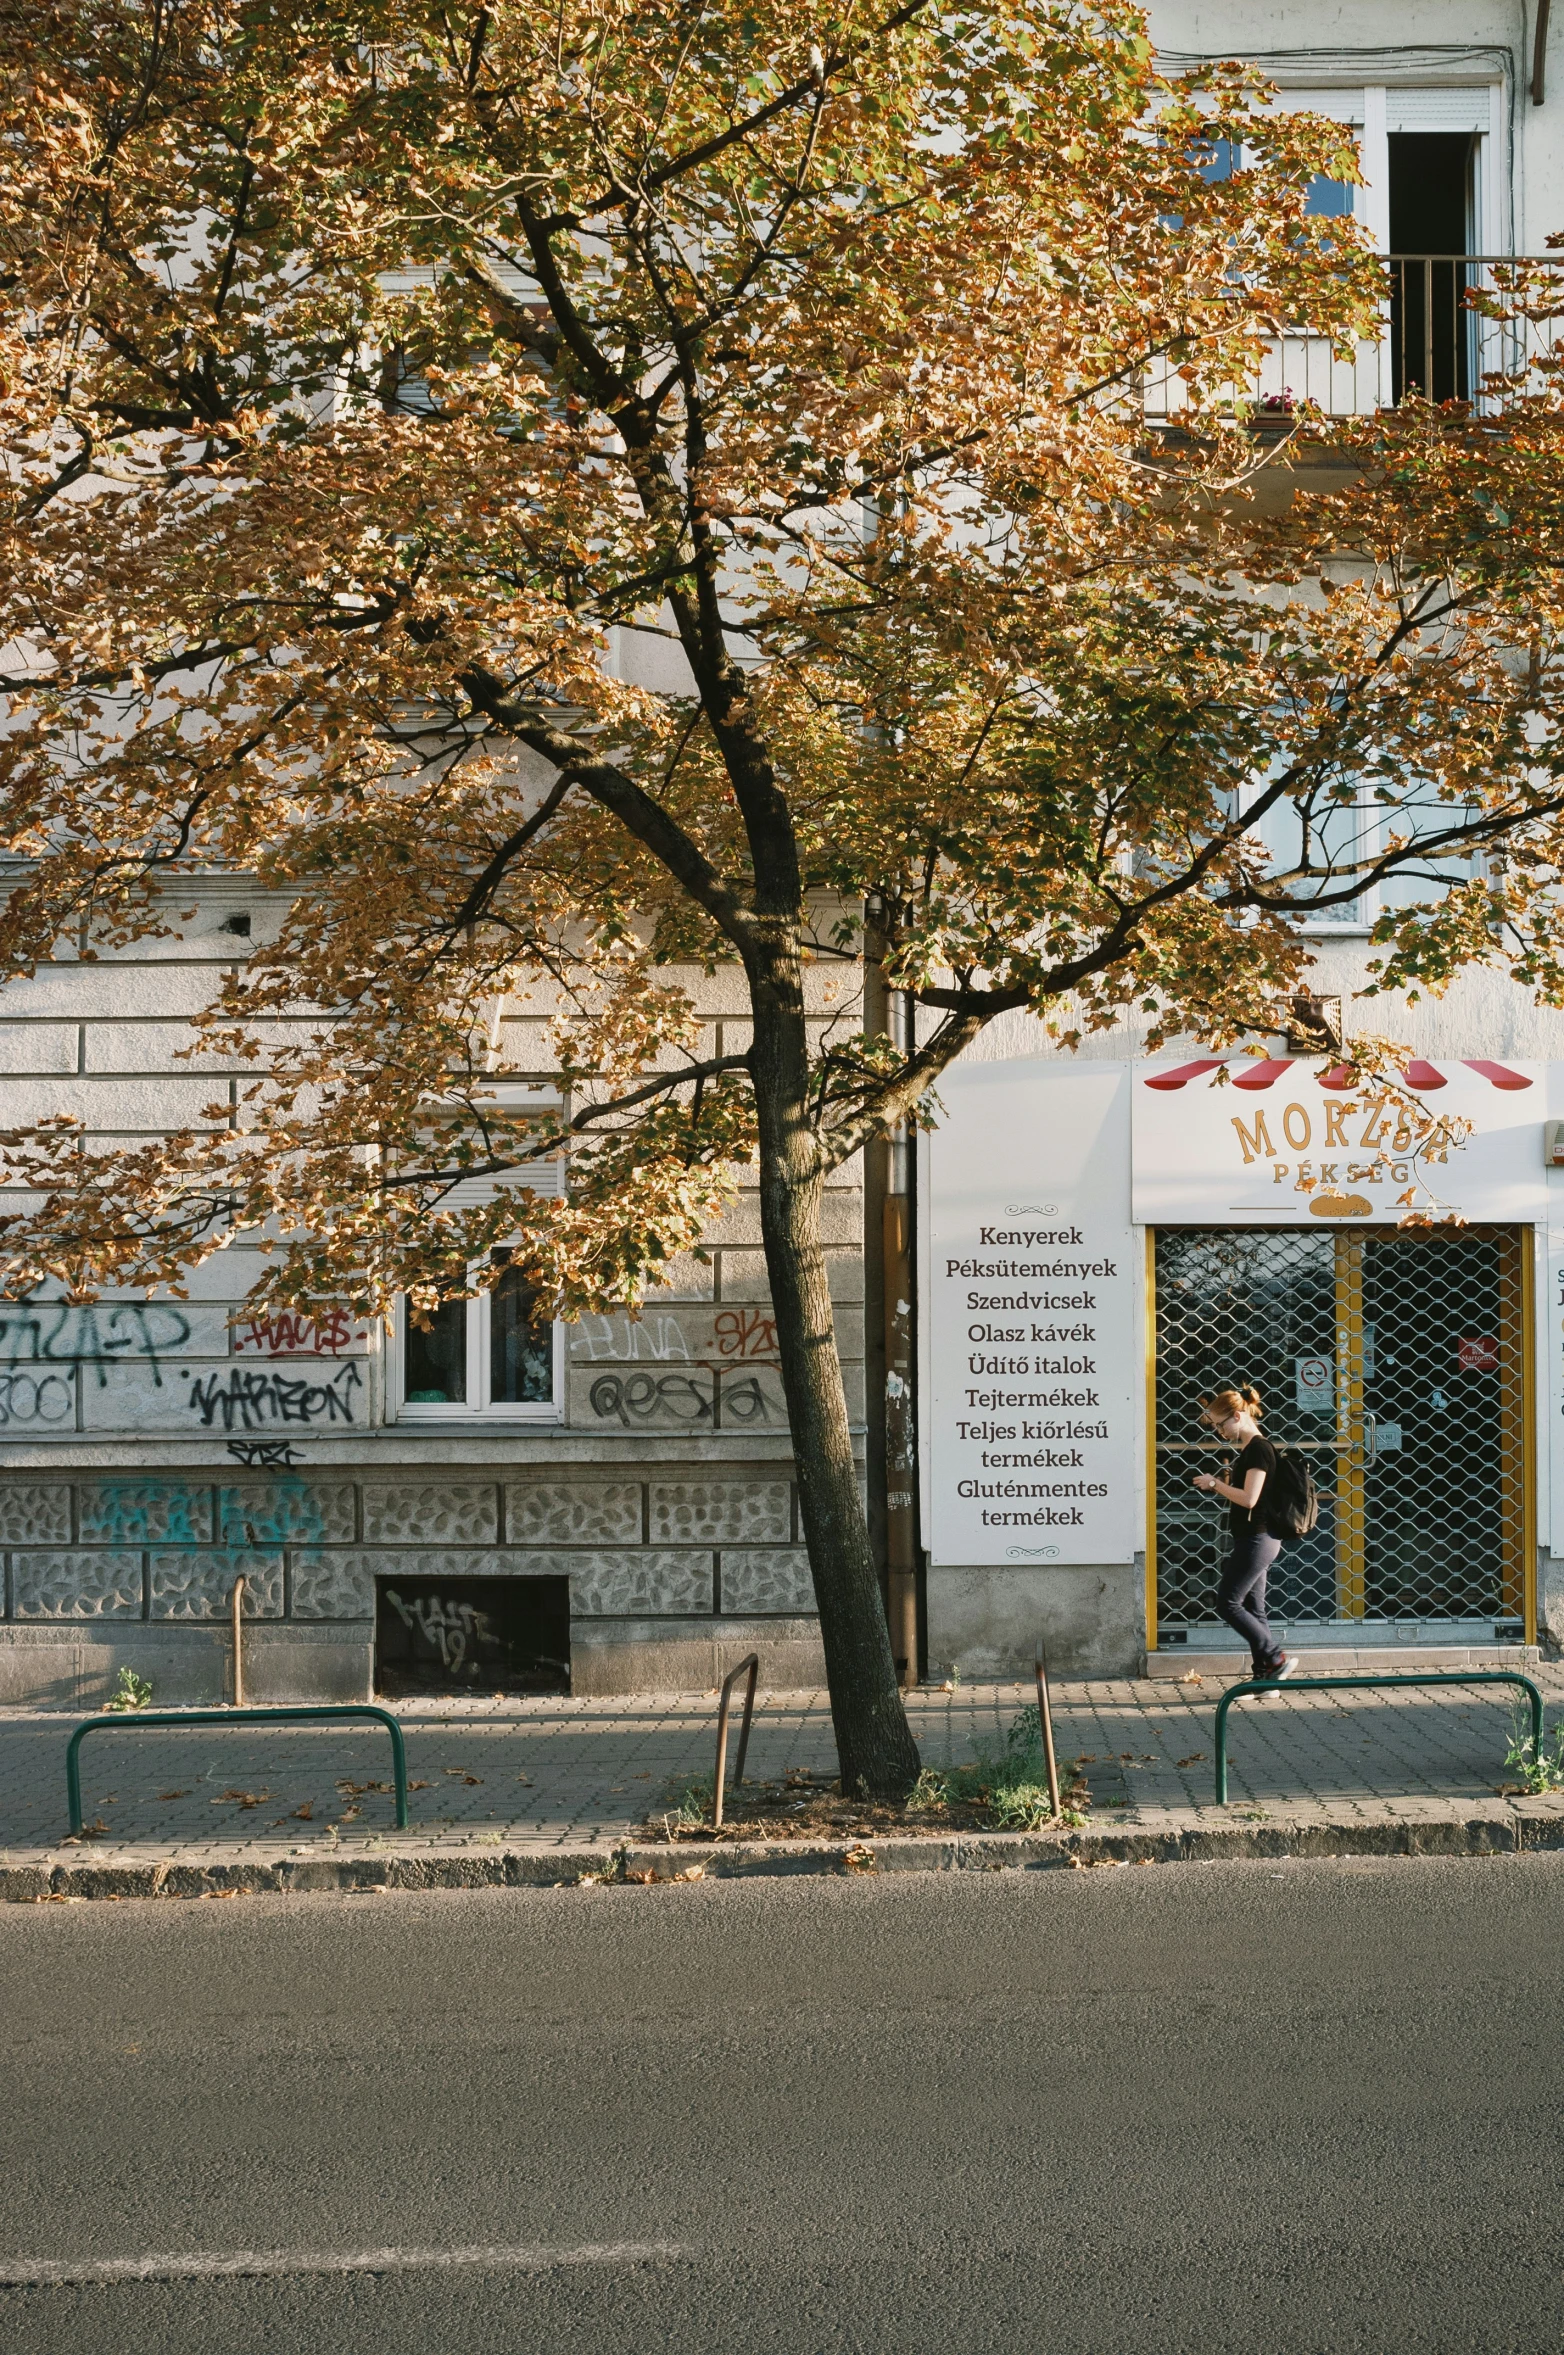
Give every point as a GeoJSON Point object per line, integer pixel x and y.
{"type": "Point", "coordinates": [1291, 1504]}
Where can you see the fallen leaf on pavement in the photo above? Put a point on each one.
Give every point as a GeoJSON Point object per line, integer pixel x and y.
{"type": "Point", "coordinates": [173, 1794]}
{"type": "Point", "coordinates": [462, 1776]}
{"type": "Point", "coordinates": [1193, 1759]}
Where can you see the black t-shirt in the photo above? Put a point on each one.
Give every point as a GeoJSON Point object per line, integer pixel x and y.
{"type": "Point", "coordinates": [1258, 1456]}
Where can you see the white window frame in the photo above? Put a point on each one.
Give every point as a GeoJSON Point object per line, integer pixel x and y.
{"type": "Point", "coordinates": [476, 1407]}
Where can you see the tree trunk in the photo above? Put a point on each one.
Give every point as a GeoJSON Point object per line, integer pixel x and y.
{"type": "Point", "coordinates": [874, 1743]}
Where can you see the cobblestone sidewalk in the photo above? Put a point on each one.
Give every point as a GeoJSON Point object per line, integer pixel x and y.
{"type": "Point", "coordinates": [560, 1778]}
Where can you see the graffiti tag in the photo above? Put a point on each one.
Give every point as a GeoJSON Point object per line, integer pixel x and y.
{"type": "Point", "coordinates": [746, 1332]}
{"type": "Point", "coordinates": [264, 1451]}
{"type": "Point", "coordinates": [745, 1402]}
{"type": "Point", "coordinates": [447, 1626]}
{"type": "Point", "coordinates": [30, 1398]}
{"type": "Point", "coordinates": [252, 1399]}
{"type": "Point", "coordinates": [326, 1334]}
{"type": "Point", "coordinates": [629, 1337]}
{"type": "Point", "coordinates": [649, 1398]}
{"type": "Point", "coordinates": [31, 1331]}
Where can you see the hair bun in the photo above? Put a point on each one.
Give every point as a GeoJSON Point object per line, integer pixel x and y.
{"type": "Point", "coordinates": [1226, 1403]}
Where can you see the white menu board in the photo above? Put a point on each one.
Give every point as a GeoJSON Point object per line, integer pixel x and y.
{"type": "Point", "coordinates": [1029, 1316]}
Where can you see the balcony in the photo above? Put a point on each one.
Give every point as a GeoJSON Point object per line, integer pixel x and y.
{"type": "Point", "coordinates": [1455, 327]}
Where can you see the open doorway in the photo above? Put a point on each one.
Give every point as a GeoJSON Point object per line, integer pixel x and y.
{"type": "Point", "coordinates": [1432, 207]}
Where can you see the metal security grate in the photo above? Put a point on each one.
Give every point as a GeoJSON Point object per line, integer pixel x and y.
{"type": "Point", "coordinates": [1397, 1361]}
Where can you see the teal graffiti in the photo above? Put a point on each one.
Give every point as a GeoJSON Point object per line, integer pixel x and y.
{"type": "Point", "coordinates": [286, 1512]}
{"type": "Point", "coordinates": [148, 1512]}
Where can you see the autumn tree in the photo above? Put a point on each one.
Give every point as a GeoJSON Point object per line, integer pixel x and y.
{"type": "Point", "coordinates": [373, 368]}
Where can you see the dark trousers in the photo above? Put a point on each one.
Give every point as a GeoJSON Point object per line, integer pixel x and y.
{"type": "Point", "coordinates": [1240, 1598]}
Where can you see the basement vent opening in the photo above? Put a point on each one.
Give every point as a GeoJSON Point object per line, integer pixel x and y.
{"type": "Point", "coordinates": [471, 1635]}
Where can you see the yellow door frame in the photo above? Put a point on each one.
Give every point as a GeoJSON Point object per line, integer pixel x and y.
{"type": "Point", "coordinates": [1151, 1439]}
{"type": "Point", "coordinates": [1351, 1565]}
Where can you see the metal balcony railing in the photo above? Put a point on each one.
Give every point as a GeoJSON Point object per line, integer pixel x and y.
{"type": "Point", "coordinates": [1453, 327]}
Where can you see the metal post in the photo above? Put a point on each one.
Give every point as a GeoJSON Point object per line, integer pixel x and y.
{"type": "Point", "coordinates": [752, 1663]}
{"type": "Point", "coordinates": [1045, 1719]}
{"type": "Point", "coordinates": [236, 1607]}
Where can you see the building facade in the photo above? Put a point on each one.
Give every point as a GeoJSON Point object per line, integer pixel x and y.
{"type": "Point", "coordinates": [612, 1503]}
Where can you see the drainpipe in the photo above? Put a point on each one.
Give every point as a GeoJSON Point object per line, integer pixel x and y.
{"type": "Point", "coordinates": [888, 1337]}
{"type": "Point", "coordinates": [901, 1452]}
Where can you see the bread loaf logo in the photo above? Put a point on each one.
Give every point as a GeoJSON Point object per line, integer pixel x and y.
{"type": "Point", "coordinates": [1332, 1204]}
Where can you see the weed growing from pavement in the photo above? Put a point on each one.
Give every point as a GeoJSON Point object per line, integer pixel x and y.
{"type": "Point", "coordinates": [1003, 1790]}
{"type": "Point", "coordinates": [131, 1691]}
{"type": "Point", "coordinates": [1011, 1784]}
{"type": "Point", "coordinates": [692, 1807]}
{"type": "Point", "coordinates": [1540, 1769]}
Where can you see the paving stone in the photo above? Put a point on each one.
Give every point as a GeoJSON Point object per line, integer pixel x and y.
{"type": "Point", "coordinates": [105, 1585]}
{"type": "Point", "coordinates": [573, 1512]}
{"type": "Point", "coordinates": [193, 1585]}
{"type": "Point", "coordinates": [446, 1512]}
{"type": "Point", "coordinates": [292, 1508]}
{"type": "Point", "coordinates": [692, 1512]}
{"type": "Point", "coordinates": [145, 1511]}
{"type": "Point", "coordinates": [766, 1578]}
{"type": "Point", "coordinates": [35, 1512]}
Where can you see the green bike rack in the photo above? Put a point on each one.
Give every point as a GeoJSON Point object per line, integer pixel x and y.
{"type": "Point", "coordinates": [129, 1720]}
{"type": "Point", "coordinates": [1254, 1687]}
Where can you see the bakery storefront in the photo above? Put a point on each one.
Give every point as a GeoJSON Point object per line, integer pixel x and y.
{"type": "Point", "coordinates": [1105, 1243]}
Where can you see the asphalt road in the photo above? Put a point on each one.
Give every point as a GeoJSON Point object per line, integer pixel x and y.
{"type": "Point", "coordinates": [1163, 2108]}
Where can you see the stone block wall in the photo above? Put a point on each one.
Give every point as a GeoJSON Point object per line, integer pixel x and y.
{"type": "Point", "coordinates": [664, 1570]}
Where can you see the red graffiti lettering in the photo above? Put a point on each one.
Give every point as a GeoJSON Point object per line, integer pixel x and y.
{"type": "Point", "coordinates": [285, 1334]}
{"type": "Point", "coordinates": [746, 1332]}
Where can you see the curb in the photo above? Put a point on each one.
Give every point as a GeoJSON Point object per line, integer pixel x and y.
{"type": "Point", "coordinates": [1506, 1834]}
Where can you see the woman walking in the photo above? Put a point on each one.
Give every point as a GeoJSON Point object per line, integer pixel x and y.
{"type": "Point", "coordinates": [1240, 1597]}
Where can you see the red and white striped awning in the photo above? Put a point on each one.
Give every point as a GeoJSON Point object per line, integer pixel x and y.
{"type": "Point", "coordinates": [1251, 1074]}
